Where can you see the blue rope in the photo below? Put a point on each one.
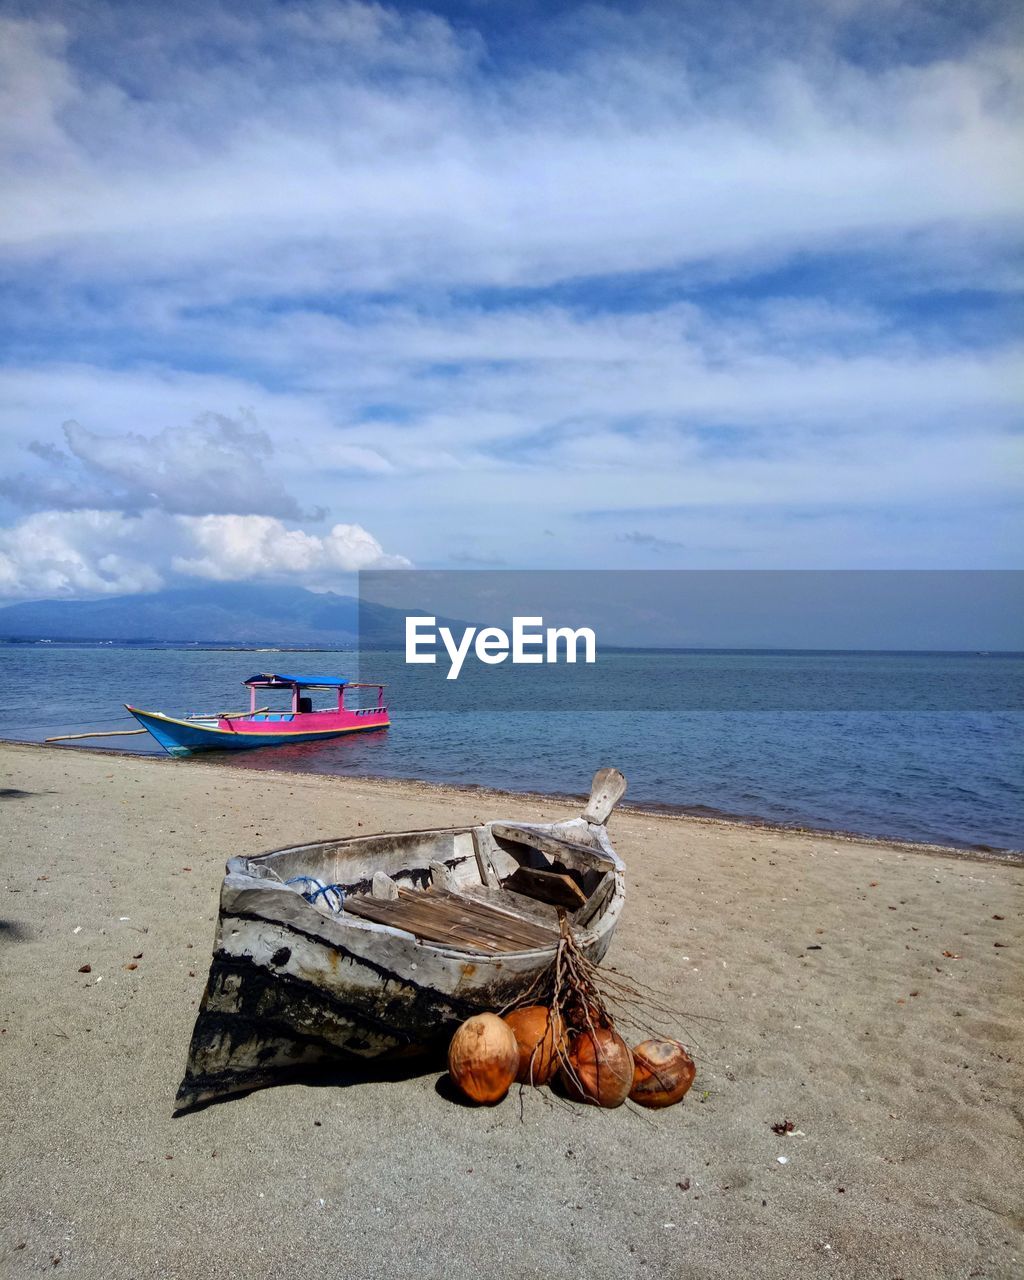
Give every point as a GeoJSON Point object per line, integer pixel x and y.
{"type": "Point", "coordinates": [321, 891]}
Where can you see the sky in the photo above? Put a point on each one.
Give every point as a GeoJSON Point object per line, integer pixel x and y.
{"type": "Point", "coordinates": [291, 290]}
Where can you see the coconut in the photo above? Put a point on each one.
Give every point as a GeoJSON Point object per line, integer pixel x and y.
{"type": "Point", "coordinates": [599, 1067]}
{"type": "Point", "coordinates": [662, 1073]}
{"type": "Point", "coordinates": [483, 1058]}
{"type": "Point", "coordinates": [540, 1035]}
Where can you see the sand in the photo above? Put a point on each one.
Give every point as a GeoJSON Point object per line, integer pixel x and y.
{"type": "Point", "coordinates": [895, 1050]}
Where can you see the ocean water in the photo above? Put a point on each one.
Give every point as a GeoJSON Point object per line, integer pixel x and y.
{"type": "Point", "coordinates": [932, 751]}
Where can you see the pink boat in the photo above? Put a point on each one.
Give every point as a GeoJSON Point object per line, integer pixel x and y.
{"type": "Point", "coordinates": [262, 727]}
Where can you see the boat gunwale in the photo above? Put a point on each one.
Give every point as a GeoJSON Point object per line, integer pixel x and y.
{"type": "Point", "coordinates": [477, 958]}
{"type": "Point", "coordinates": [237, 870]}
{"type": "Point", "coordinates": [605, 851]}
{"type": "Point", "coordinates": [316, 933]}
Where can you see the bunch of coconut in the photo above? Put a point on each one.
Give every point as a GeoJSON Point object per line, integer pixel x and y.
{"type": "Point", "coordinates": [583, 1052]}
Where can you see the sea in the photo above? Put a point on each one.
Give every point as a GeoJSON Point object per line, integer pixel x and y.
{"type": "Point", "coordinates": [934, 754]}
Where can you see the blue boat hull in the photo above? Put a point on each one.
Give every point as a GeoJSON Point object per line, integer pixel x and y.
{"type": "Point", "coordinates": [184, 738]}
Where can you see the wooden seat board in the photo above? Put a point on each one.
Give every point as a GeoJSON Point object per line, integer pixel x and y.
{"type": "Point", "coordinates": [499, 918]}
{"type": "Point", "coordinates": [541, 913]}
{"type": "Point", "coordinates": [429, 929]}
{"type": "Point", "coordinates": [453, 920]}
{"type": "Point", "coordinates": [527, 915]}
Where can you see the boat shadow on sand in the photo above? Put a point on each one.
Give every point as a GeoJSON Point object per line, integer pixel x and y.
{"type": "Point", "coordinates": [347, 1076]}
{"type": "Point", "coordinates": [15, 931]}
{"type": "Point", "coordinates": [344, 1075]}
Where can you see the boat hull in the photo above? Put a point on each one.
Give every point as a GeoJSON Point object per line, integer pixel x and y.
{"type": "Point", "coordinates": [185, 737]}
{"type": "Point", "coordinates": [293, 987]}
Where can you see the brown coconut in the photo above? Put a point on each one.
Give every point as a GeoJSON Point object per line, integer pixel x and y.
{"type": "Point", "coordinates": [662, 1073]}
{"type": "Point", "coordinates": [599, 1068]}
{"type": "Point", "coordinates": [483, 1058]}
{"type": "Point", "coordinates": [540, 1034]}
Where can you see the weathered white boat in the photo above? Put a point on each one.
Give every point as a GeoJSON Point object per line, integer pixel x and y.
{"type": "Point", "coordinates": [376, 947]}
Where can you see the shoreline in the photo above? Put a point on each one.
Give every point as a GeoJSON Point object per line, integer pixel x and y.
{"type": "Point", "coordinates": [656, 809]}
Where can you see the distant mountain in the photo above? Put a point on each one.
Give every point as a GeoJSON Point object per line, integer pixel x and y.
{"type": "Point", "coordinates": [228, 613]}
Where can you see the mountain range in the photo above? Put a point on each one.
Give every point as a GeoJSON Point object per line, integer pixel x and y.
{"type": "Point", "coordinates": [228, 613]}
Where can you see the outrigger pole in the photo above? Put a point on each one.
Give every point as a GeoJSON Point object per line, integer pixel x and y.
{"type": "Point", "coordinates": [111, 733]}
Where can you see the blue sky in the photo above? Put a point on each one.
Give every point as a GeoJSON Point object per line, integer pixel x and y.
{"type": "Point", "coordinates": [290, 290]}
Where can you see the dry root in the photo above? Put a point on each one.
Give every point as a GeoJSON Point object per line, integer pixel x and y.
{"type": "Point", "coordinates": [583, 998]}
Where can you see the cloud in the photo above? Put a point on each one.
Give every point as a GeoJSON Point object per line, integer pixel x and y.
{"type": "Point", "coordinates": [87, 553]}
{"type": "Point", "coordinates": [364, 147]}
{"type": "Point", "coordinates": [239, 547]}
{"type": "Point", "coordinates": [76, 554]}
{"type": "Point", "coordinates": [650, 259]}
{"type": "Point", "coordinates": [476, 560]}
{"type": "Point", "coordinates": [217, 464]}
{"type": "Point", "coordinates": [774, 407]}
{"type": "Point", "coordinates": [651, 541]}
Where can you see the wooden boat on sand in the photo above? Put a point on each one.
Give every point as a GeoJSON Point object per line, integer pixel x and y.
{"type": "Point", "coordinates": [377, 946]}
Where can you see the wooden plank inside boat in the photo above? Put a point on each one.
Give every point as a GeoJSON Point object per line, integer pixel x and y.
{"type": "Point", "coordinates": [507, 899]}
{"type": "Point", "coordinates": [436, 915]}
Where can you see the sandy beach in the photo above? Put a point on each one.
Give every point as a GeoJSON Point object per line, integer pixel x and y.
{"type": "Point", "coordinates": [869, 993]}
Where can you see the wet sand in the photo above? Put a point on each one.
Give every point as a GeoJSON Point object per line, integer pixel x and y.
{"type": "Point", "coordinates": [869, 993]}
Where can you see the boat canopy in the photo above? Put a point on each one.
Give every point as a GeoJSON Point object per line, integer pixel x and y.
{"type": "Point", "coordinates": [268, 681]}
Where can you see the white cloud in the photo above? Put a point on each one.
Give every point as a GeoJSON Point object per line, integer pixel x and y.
{"type": "Point", "coordinates": [357, 459]}
{"type": "Point", "coordinates": [37, 83]}
{"type": "Point", "coordinates": [375, 36]}
{"type": "Point", "coordinates": [196, 204]}
{"type": "Point", "coordinates": [216, 464]}
{"type": "Point", "coordinates": [298, 165]}
{"type": "Point", "coordinates": [463, 376]}
{"type": "Point", "coordinates": [669, 407]}
{"type": "Point", "coordinates": [86, 553]}
{"type": "Point", "coordinates": [238, 547]}
{"type": "Point", "coordinates": [40, 396]}
{"type": "Point", "coordinates": [77, 554]}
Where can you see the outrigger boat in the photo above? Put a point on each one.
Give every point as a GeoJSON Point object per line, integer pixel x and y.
{"type": "Point", "coordinates": [378, 946]}
{"type": "Point", "coordinates": [262, 727]}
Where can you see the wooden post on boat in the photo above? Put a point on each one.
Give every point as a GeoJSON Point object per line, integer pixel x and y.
{"type": "Point", "coordinates": [607, 789]}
